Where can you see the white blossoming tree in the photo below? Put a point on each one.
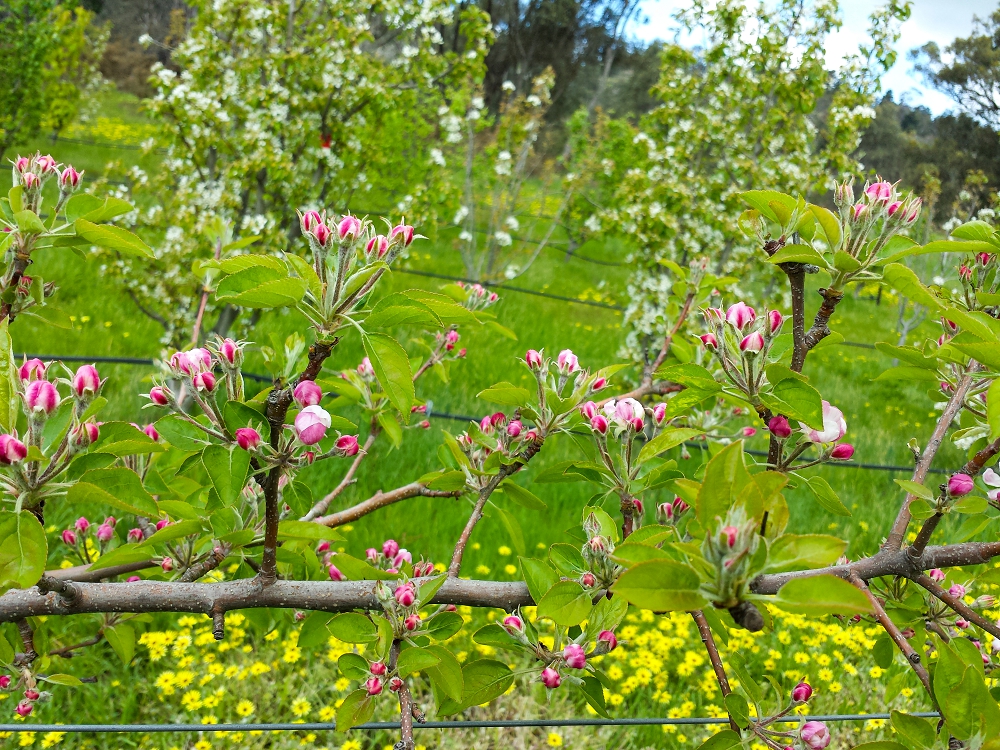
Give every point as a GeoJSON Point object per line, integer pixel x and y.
{"type": "Point", "coordinates": [280, 106]}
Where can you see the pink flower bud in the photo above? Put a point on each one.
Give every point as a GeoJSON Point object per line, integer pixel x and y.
{"type": "Point", "coordinates": [858, 210]}
{"type": "Point", "coordinates": [229, 352]}
{"type": "Point", "coordinates": [412, 622]}
{"type": "Point", "coordinates": [309, 221]}
{"type": "Point", "coordinates": [984, 258]}
{"type": "Point", "coordinates": [402, 233]}
{"type": "Point", "coordinates": [150, 431]}
{"type": "Point", "coordinates": [588, 579]}
{"type": "Point", "coordinates": [664, 513]}
{"type": "Point", "coordinates": [730, 533]}
{"type": "Point", "coordinates": [30, 180]}
{"type": "Point", "coordinates": [936, 574]}
{"type": "Point", "coordinates": [322, 234]}
{"type": "Point", "coordinates": [534, 359]}
{"type": "Point", "coordinates": [4, 681]}
{"type": "Point", "coordinates": [568, 362]}
{"type": "Point", "coordinates": [377, 668]}
{"type": "Point", "coordinates": [105, 532]}
{"type": "Point", "coordinates": [111, 521]}
{"type": "Point", "coordinates": [599, 384]}
{"type": "Point", "coordinates": [965, 272]}
{"type": "Point", "coordinates": [659, 413]}
{"type": "Point", "coordinates": [334, 572]}
{"type": "Point", "coordinates": [46, 164]}
{"type": "Point", "coordinates": [204, 381]}
{"type": "Point", "coordinates": [957, 590]}
{"type": "Point", "coordinates": [962, 624]}
{"type": "Point", "coordinates": [22, 165]}
{"type": "Point", "coordinates": [373, 685]}
{"type": "Point", "coordinates": [159, 395]}
{"type": "Point", "coordinates": [752, 343]}
{"type": "Point", "coordinates": [311, 424]}
{"type": "Point", "coordinates": [402, 556]}
{"type": "Point", "coordinates": [679, 506]}
{"type": "Point", "coordinates": [599, 424]}
{"type": "Point", "coordinates": [637, 505]}
{"type": "Point", "coordinates": [879, 191]}
{"type": "Point", "coordinates": [514, 428]}
{"type": "Point", "coordinates": [512, 624]}
{"type": "Point", "coordinates": [589, 410]}
{"type": "Point", "coordinates": [802, 692]}
{"type": "Point", "coordinates": [135, 535]}
{"type": "Point", "coordinates": [574, 656]}
{"type": "Point", "coordinates": [69, 537]}
{"type": "Point", "coordinates": [914, 212]}
{"type": "Point", "coordinates": [389, 548]}
{"type": "Point", "coordinates": [551, 678]}
{"type": "Point", "coordinates": [608, 636]}
{"type": "Point", "coordinates": [960, 484]}
{"type": "Point", "coordinates": [842, 452]}
{"type": "Point", "coordinates": [486, 425]}
{"type": "Point", "coordinates": [12, 450]}
{"type": "Point", "coordinates": [365, 369]}
{"type": "Point", "coordinates": [749, 431]}
{"type": "Point", "coordinates": [162, 523]}
{"type": "Point", "coordinates": [41, 398]}
{"type": "Point", "coordinates": [167, 564]}
{"type": "Point", "coordinates": [86, 382]}
{"type": "Point", "coordinates": [779, 427]}
{"type": "Point", "coordinates": [498, 418]}
{"type": "Point", "coordinates": [33, 369]}
{"type": "Point", "coordinates": [709, 340]}
{"type": "Point", "coordinates": [774, 321]}
{"type": "Point", "coordinates": [347, 445]}
{"type": "Point", "coordinates": [894, 207]}
{"type": "Point", "coordinates": [348, 228]}
{"type": "Point", "coordinates": [395, 684]}
{"type": "Point", "coordinates": [24, 707]}
{"type": "Point", "coordinates": [371, 554]}
{"type": "Point", "coordinates": [815, 735]}
{"type": "Point", "coordinates": [377, 246]}
{"type": "Point", "coordinates": [69, 180]}
{"type": "Point", "coordinates": [740, 315]}
{"type": "Point", "coordinates": [82, 524]}
{"type": "Point", "coordinates": [247, 438]}
{"type": "Point", "coordinates": [307, 393]}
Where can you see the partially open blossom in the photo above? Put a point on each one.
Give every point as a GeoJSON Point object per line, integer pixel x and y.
{"type": "Point", "coordinates": [348, 228]}
{"type": "Point", "coordinates": [402, 556]}
{"type": "Point", "coordinates": [334, 572]}
{"type": "Point", "coordinates": [774, 321]}
{"type": "Point", "coordinates": [69, 537]}
{"type": "Point", "coordinates": [404, 595]}
{"type": "Point", "coordinates": [779, 427]}
{"type": "Point", "coordinates": [740, 315]}
{"type": "Point", "coordinates": [879, 191]}
{"type": "Point", "coordinates": [834, 426]}
{"type": "Point", "coordinates": [533, 359]}
{"type": "Point", "coordinates": [347, 445]}
{"type": "Point", "coordinates": [86, 382]}
{"type": "Point", "coordinates": [957, 590]}
{"type": "Point", "coordinates": [159, 395]}
{"type": "Point", "coordinates": [311, 424]}
{"type": "Point", "coordinates": [512, 624]}
{"type": "Point", "coordinates": [709, 340]}
{"type": "Point", "coordinates": [815, 735]}
{"type": "Point", "coordinates": [33, 369]}
{"type": "Point", "coordinates": [307, 393]}
{"type": "Point", "coordinates": [395, 684]}
{"type": "Point", "coordinates": [402, 233]}
{"type": "Point", "coordinates": [608, 637]}
{"type": "Point", "coordinates": [551, 678]}
{"type": "Point", "coordinates": [12, 450]}
{"type": "Point", "coordinates": [567, 361]}
{"type": "Point", "coordinates": [575, 656]}
{"type": "Point", "coordinates": [962, 624]}
{"type": "Point", "coordinates": [960, 484]}
{"type": "Point", "coordinates": [41, 397]}
{"type": "Point", "coordinates": [802, 692]}
{"type": "Point", "coordinates": [752, 343]}
{"type": "Point", "coordinates": [204, 381]}
{"type": "Point", "coordinates": [247, 438]}
{"type": "Point", "coordinates": [373, 685]}
{"type": "Point", "coordinates": [45, 164]}
{"type": "Point", "coordinates": [842, 451]}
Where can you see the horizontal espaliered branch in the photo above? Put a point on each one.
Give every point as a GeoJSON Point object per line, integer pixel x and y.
{"type": "Point", "coordinates": [220, 479]}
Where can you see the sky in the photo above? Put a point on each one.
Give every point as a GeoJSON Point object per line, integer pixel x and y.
{"type": "Point", "coordinates": [931, 20]}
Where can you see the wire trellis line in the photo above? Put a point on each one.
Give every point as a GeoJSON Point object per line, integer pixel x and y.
{"type": "Point", "coordinates": [375, 726]}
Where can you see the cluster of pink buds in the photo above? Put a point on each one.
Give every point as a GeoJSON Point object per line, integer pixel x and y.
{"type": "Point", "coordinates": [477, 297]}
{"type": "Point", "coordinates": [446, 345]}
{"type": "Point", "coordinates": [741, 340]}
{"type": "Point", "coordinates": [880, 213]}
{"type": "Point", "coordinates": [729, 549]}
{"type": "Point", "coordinates": [401, 603]}
{"type": "Point", "coordinates": [668, 514]}
{"type": "Point", "coordinates": [504, 434]}
{"type": "Point", "coordinates": [32, 172]}
{"type": "Point", "coordinates": [626, 416]}
{"type": "Point", "coordinates": [566, 378]}
{"type": "Point", "coordinates": [601, 571]}
{"type": "Point", "coordinates": [77, 536]}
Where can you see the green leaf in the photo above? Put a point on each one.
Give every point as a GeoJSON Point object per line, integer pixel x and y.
{"type": "Point", "coordinates": [567, 559]}
{"type": "Point", "coordinates": [292, 529]}
{"type": "Point", "coordinates": [358, 570]}
{"type": "Point", "coordinates": [822, 595]}
{"type": "Point", "coordinates": [905, 281]}
{"type": "Point", "coordinates": [512, 527]}
{"type": "Point", "coordinates": [123, 439]}
{"type": "Point", "coordinates": [118, 487]}
{"type": "Point", "coordinates": [662, 586]}
{"type": "Point", "coordinates": [567, 604]}
{"type": "Point", "coordinates": [227, 468]}
{"type": "Point", "coordinates": [112, 238]}
{"type": "Point", "coordinates": [845, 262]}
{"type": "Point", "coordinates": [81, 204]}
{"type": "Point", "coordinates": [593, 691]}
{"type": "Point", "coordinates": [492, 325]}
{"type": "Point", "coordinates": [524, 498]}
{"type": "Point", "coordinates": [881, 745]}
{"type": "Point", "coordinates": [993, 409]}
{"type": "Point", "coordinates": [916, 730]}
{"type": "Point", "coordinates": [66, 680]}
{"type": "Point", "coordinates": [909, 354]}
{"type": "Point", "coordinates": [691, 375]}
{"type": "Point", "coordinates": [97, 210]}
{"type": "Point", "coordinates": [920, 509]}
{"type": "Point", "coordinates": [506, 394]}
{"type": "Point", "coordinates": [446, 309]}
{"type": "Point", "coordinates": [307, 273]}
{"type": "Point", "coordinates": [826, 497]}
{"type": "Point", "coordinates": [446, 676]}
{"type": "Point", "coordinates": [495, 635]}
{"type": "Point", "coordinates": [538, 576]}
{"type": "Point", "coordinates": [444, 625]}
{"type": "Point", "coordinates": [260, 287]}
{"type": "Point", "coordinates": [669, 438]}
{"type": "Point", "coordinates": [124, 555]}
{"type": "Point", "coordinates": [797, 400]}
{"type": "Point", "coordinates": [485, 679]}
{"type": "Point", "coordinates": [723, 740]}
{"type": "Point", "coordinates": [970, 247]}
{"type": "Point", "coordinates": [28, 222]}
{"type": "Point", "coordinates": [909, 372]}
{"type": "Point", "coordinates": [725, 476]}
{"type": "Point", "coordinates": [173, 531]}
{"type": "Point", "coordinates": [416, 660]}
{"type": "Point", "coordinates": [180, 434]}
{"type": "Point", "coordinates": [392, 368]}
{"type": "Point", "coordinates": [10, 403]}
{"type": "Point", "coordinates": [800, 552]}
{"type": "Point", "coordinates": [357, 708]}
{"type": "Point", "coordinates": [830, 224]}
{"type": "Point", "coordinates": [352, 627]}
{"type": "Point", "coordinates": [122, 640]}
{"type": "Point", "coordinates": [916, 489]}
{"type": "Point", "coordinates": [23, 550]}
{"type": "Point", "coordinates": [738, 708]}
{"type": "Point", "coordinates": [770, 203]}
{"type": "Point", "coordinates": [798, 254]}
{"type": "Point", "coordinates": [970, 505]}
{"type": "Point", "coordinates": [398, 309]}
